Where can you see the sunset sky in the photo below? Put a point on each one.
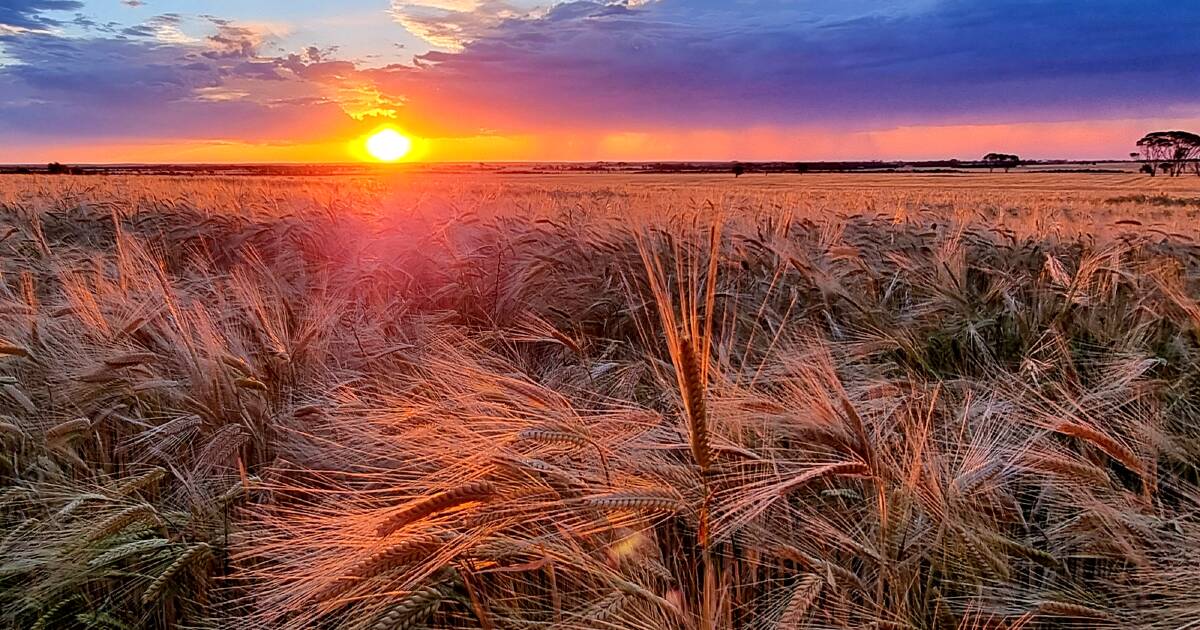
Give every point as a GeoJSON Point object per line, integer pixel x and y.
{"type": "Point", "coordinates": [295, 80]}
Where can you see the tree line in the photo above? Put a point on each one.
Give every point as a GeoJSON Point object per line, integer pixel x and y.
{"type": "Point", "coordinates": [1171, 153]}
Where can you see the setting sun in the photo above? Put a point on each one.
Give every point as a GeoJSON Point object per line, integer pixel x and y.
{"type": "Point", "coordinates": [388, 145]}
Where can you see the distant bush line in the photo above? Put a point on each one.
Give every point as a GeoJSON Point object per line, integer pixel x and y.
{"type": "Point", "coordinates": [1156, 200]}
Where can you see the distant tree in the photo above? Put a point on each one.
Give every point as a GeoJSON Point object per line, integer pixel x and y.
{"type": "Point", "coordinates": [738, 169]}
{"type": "Point", "coordinates": [1171, 152]}
{"type": "Point", "coordinates": [1001, 160]}
{"type": "Point", "coordinates": [54, 168]}
{"type": "Point", "coordinates": [800, 167]}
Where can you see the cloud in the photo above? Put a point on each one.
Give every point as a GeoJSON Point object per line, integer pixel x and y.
{"type": "Point", "coordinates": [26, 15]}
{"type": "Point", "coordinates": [143, 85]}
{"type": "Point", "coordinates": [451, 24]}
{"type": "Point", "coordinates": [629, 72]}
{"type": "Point", "coordinates": [692, 63]}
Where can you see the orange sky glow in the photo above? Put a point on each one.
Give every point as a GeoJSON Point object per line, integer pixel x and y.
{"type": "Point", "coordinates": [1081, 139]}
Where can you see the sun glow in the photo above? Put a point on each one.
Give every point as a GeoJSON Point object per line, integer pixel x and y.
{"type": "Point", "coordinates": [388, 145]}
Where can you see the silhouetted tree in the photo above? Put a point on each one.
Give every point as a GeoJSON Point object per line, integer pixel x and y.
{"type": "Point", "coordinates": [801, 167]}
{"type": "Point", "coordinates": [1171, 152]}
{"type": "Point", "coordinates": [738, 169]}
{"type": "Point", "coordinates": [54, 168]}
{"type": "Point", "coordinates": [1001, 160]}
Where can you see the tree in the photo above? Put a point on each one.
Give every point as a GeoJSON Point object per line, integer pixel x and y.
{"type": "Point", "coordinates": [738, 169]}
{"type": "Point", "coordinates": [1001, 160]}
{"type": "Point", "coordinates": [1171, 152]}
{"type": "Point", "coordinates": [55, 168]}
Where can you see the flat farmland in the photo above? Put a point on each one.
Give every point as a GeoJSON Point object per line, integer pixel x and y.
{"type": "Point", "coordinates": [894, 400]}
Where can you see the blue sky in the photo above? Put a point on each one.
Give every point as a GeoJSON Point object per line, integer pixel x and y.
{"type": "Point", "coordinates": [362, 29]}
{"type": "Point", "coordinates": [522, 79]}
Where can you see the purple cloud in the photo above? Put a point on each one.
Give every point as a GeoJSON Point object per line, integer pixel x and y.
{"type": "Point", "coordinates": [27, 14]}
{"type": "Point", "coordinates": [140, 87]}
{"type": "Point", "coordinates": [677, 63]}
{"type": "Point", "coordinates": [588, 66]}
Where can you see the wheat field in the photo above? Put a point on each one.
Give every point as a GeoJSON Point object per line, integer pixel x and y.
{"type": "Point", "coordinates": [600, 401]}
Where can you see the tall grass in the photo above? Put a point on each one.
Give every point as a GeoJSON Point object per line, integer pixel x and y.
{"type": "Point", "coordinates": [365, 404]}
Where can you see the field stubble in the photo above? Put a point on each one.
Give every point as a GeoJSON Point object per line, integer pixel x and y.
{"type": "Point", "coordinates": [596, 402]}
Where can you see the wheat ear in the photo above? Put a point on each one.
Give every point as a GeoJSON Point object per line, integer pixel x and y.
{"type": "Point", "coordinates": [411, 611]}
{"type": "Point", "coordinates": [842, 469]}
{"type": "Point", "coordinates": [68, 429]}
{"type": "Point", "coordinates": [10, 349]}
{"type": "Point", "coordinates": [194, 553]}
{"type": "Point", "coordinates": [660, 501]}
{"type": "Point", "coordinates": [397, 555]}
{"type": "Point", "coordinates": [803, 597]}
{"type": "Point", "coordinates": [119, 521]}
{"type": "Point", "coordinates": [1104, 442]}
{"type": "Point", "coordinates": [139, 482]}
{"type": "Point", "coordinates": [692, 381]}
{"type": "Point", "coordinates": [470, 491]}
{"type": "Point", "coordinates": [1067, 610]}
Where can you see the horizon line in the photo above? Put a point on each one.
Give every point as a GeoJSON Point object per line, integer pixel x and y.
{"type": "Point", "coordinates": [518, 162]}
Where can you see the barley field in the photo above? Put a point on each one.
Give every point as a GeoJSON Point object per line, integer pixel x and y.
{"type": "Point", "coordinates": [600, 401]}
